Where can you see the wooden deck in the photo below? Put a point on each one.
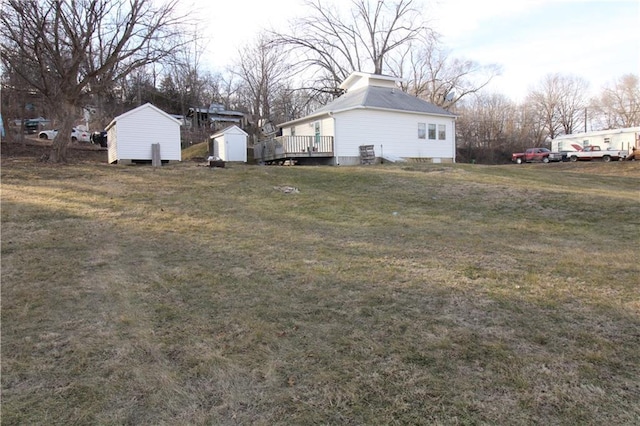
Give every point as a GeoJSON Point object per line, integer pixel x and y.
{"type": "Point", "coordinates": [283, 148]}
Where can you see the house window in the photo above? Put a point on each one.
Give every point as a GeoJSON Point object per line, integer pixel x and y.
{"type": "Point", "coordinates": [442, 132]}
{"type": "Point", "coordinates": [293, 130]}
{"type": "Point", "coordinates": [432, 131]}
{"type": "Point", "coordinates": [585, 142]}
{"type": "Point", "coordinates": [422, 131]}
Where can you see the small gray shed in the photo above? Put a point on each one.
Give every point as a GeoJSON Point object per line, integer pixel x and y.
{"type": "Point", "coordinates": [130, 136]}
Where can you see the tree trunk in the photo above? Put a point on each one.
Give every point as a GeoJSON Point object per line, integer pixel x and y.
{"type": "Point", "coordinates": [63, 138]}
{"type": "Point", "coordinates": [59, 149]}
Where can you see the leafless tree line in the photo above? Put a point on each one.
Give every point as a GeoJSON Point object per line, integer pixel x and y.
{"type": "Point", "coordinates": [114, 55]}
{"type": "Point", "coordinates": [491, 126]}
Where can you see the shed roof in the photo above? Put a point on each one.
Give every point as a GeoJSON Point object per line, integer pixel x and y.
{"type": "Point", "coordinates": [141, 107]}
{"type": "Point", "coordinates": [225, 130]}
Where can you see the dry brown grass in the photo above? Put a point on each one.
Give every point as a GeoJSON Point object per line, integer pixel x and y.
{"type": "Point", "coordinates": [414, 294]}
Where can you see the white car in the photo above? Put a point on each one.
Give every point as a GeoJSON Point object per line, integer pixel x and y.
{"type": "Point", "coordinates": [76, 135]}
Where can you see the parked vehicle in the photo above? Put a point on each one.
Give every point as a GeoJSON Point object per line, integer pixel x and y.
{"type": "Point", "coordinates": [535, 155]}
{"type": "Point", "coordinates": [566, 155]}
{"type": "Point", "coordinates": [99, 138]}
{"type": "Point", "coordinates": [30, 127]}
{"type": "Point", "coordinates": [595, 153]}
{"type": "Point", "coordinates": [76, 135]}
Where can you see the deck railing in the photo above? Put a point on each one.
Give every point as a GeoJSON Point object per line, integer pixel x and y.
{"type": "Point", "coordinates": [286, 147]}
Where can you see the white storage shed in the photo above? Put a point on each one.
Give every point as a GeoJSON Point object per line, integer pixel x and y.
{"type": "Point", "coordinates": [229, 144]}
{"type": "Point", "coordinates": [130, 136]}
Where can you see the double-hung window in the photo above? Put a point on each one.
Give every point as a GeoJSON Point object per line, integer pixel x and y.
{"type": "Point", "coordinates": [422, 131]}
{"type": "Point", "coordinates": [432, 132]}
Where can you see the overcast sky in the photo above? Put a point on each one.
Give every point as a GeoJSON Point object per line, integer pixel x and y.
{"type": "Point", "coordinates": [596, 40]}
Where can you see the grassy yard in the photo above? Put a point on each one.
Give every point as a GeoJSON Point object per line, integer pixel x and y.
{"type": "Point", "coordinates": [393, 294]}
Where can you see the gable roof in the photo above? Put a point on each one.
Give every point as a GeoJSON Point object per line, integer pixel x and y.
{"type": "Point", "coordinates": [380, 98]}
{"type": "Point", "coordinates": [225, 130]}
{"type": "Point", "coordinates": [141, 107]}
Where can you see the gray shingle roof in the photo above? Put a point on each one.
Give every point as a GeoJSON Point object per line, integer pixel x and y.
{"type": "Point", "coordinates": [384, 98]}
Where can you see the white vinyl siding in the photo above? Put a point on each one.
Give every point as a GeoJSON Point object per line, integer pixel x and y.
{"type": "Point", "coordinates": [134, 132]}
{"type": "Point", "coordinates": [392, 133]}
{"type": "Point", "coordinates": [112, 145]}
{"type": "Point", "coordinates": [308, 128]}
{"type": "Point", "coordinates": [231, 145]}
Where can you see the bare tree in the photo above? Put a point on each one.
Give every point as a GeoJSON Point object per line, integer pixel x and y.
{"type": "Point", "coordinates": [573, 101]}
{"type": "Point", "coordinates": [211, 86]}
{"type": "Point", "coordinates": [431, 74]}
{"type": "Point", "coordinates": [70, 50]}
{"type": "Point", "coordinates": [229, 87]}
{"type": "Point", "coordinates": [529, 130]}
{"type": "Point", "coordinates": [18, 101]}
{"type": "Point", "coordinates": [262, 73]}
{"type": "Point", "coordinates": [486, 127]}
{"type": "Point", "coordinates": [619, 103]}
{"type": "Point", "coordinates": [560, 100]}
{"type": "Point", "coordinates": [332, 46]}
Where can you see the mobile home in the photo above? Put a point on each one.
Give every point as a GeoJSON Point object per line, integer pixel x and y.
{"type": "Point", "coordinates": [618, 139]}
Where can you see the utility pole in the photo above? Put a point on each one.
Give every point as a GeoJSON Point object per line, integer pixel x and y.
{"type": "Point", "coordinates": [585, 119]}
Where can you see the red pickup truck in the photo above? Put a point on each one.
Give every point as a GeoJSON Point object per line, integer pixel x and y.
{"type": "Point", "coordinates": [535, 154]}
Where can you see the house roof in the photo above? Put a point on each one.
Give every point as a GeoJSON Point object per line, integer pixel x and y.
{"type": "Point", "coordinates": [141, 107]}
{"type": "Point", "coordinates": [215, 110]}
{"type": "Point", "coordinates": [377, 97]}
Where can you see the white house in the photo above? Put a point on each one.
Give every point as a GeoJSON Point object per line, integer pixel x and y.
{"type": "Point", "coordinates": [374, 111]}
{"type": "Point", "coordinates": [130, 136]}
{"type": "Point", "coordinates": [229, 144]}
{"type": "Point", "coordinates": [618, 139]}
